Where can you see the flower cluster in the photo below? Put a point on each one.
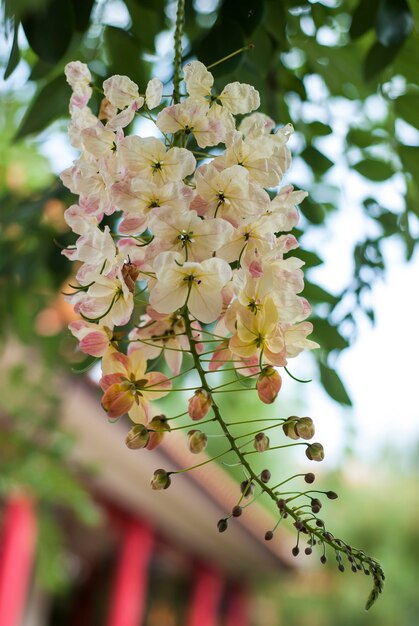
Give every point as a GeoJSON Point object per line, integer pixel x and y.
{"type": "Point", "coordinates": [206, 232]}
{"type": "Point", "coordinates": [182, 236]}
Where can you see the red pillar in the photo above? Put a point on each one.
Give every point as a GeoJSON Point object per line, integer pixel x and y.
{"type": "Point", "coordinates": [238, 607]}
{"type": "Point", "coordinates": [16, 558]}
{"type": "Point", "coordinates": [129, 591]}
{"type": "Point", "coordinates": [206, 598]}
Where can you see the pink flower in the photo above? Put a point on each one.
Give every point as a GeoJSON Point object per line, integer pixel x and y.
{"type": "Point", "coordinates": [268, 385]}
{"type": "Point", "coordinates": [199, 404]}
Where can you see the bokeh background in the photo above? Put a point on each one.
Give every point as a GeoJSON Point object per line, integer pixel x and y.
{"type": "Point", "coordinates": [345, 74]}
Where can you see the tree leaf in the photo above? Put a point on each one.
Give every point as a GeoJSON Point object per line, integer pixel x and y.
{"type": "Point", "coordinates": [313, 211]}
{"type": "Point", "coordinates": [125, 55]}
{"type": "Point", "coordinates": [316, 160]}
{"type": "Point", "coordinates": [407, 107]}
{"type": "Point", "coordinates": [316, 294]}
{"type": "Point", "coordinates": [82, 12]}
{"type": "Point", "coordinates": [409, 156]}
{"type": "Point", "coordinates": [333, 385]}
{"type": "Point", "coordinates": [50, 103]}
{"type": "Point", "coordinates": [328, 335]}
{"type": "Point", "coordinates": [363, 18]}
{"type": "Point", "coordinates": [248, 13]}
{"type": "Point", "coordinates": [378, 58]}
{"type": "Point", "coordinates": [394, 22]}
{"type": "Point", "coordinates": [14, 57]}
{"type": "Point", "coordinates": [146, 22]}
{"type": "Point", "coordinates": [50, 29]}
{"type": "Point", "coordinates": [224, 38]}
{"type": "Point", "coordinates": [373, 169]}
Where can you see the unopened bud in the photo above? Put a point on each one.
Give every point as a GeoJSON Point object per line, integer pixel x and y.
{"type": "Point", "coordinates": [315, 452]}
{"type": "Point", "coordinates": [268, 535]}
{"type": "Point", "coordinates": [332, 495]}
{"type": "Point", "coordinates": [130, 274]}
{"type": "Point", "coordinates": [309, 477]}
{"type": "Point", "coordinates": [137, 437]}
{"type": "Point", "coordinates": [265, 476]}
{"type": "Point", "coordinates": [160, 480]}
{"type": "Point", "coordinates": [268, 384]}
{"type": "Point", "coordinates": [316, 505]}
{"type": "Point", "coordinates": [247, 488]}
{"type": "Point", "coordinates": [197, 441]}
{"type": "Point", "coordinates": [323, 559]}
{"type": "Point", "coordinates": [199, 404]}
{"type": "Point", "coordinates": [157, 428]}
{"type": "Point", "coordinates": [237, 511]}
{"type": "Point", "coordinates": [308, 550]}
{"type": "Point", "coordinates": [304, 428]}
{"type": "Point", "coordinates": [289, 427]}
{"type": "Point", "coordinates": [261, 442]}
{"type": "Point", "coordinates": [295, 551]}
{"type": "Point", "coordinates": [281, 504]}
{"type": "Point", "coordinates": [222, 525]}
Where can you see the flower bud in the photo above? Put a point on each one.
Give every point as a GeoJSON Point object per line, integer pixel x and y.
{"type": "Point", "coordinates": [308, 550]}
{"type": "Point", "coordinates": [332, 495]}
{"type": "Point", "coordinates": [295, 551]}
{"type": "Point", "coordinates": [160, 480]}
{"type": "Point", "coordinates": [316, 505]}
{"type": "Point", "coordinates": [268, 384]}
{"type": "Point", "coordinates": [265, 476]}
{"type": "Point", "coordinates": [309, 477]}
{"type": "Point", "coordinates": [137, 437]}
{"type": "Point", "coordinates": [289, 427]}
{"type": "Point", "coordinates": [237, 511]}
{"type": "Point", "coordinates": [197, 441]}
{"type": "Point", "coordinates": [199, 404]}
{"type": "Point", "coordinates": [315, 452]}
{"type": "Point", "coordinates": [222, 525]}
{"type": "Point", "coordinates": [261, 442]}
{"type": "Point", "coordinates": [247, 488]}
{"type": "Point", "coordinates": [269, 535]}
{"type": "Point", "coordinates": [157, 427]}
{"type": "Point", "coordinates": [304, 428]}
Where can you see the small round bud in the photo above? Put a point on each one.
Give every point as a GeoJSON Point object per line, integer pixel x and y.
{"type": "Point", "coordinates": [295, 551]}
{"type": "Point", "coordinates": [222, 525]}
{"type": "Point", "coordinates": [298, 524]}
{"type": "Point", "coordinates": [137, 437]}
{"type": "Point", "coordinates": [308, 550]}
{"type": "Point", "coordinates": [261, 442]}
{"type": "Point", "coordinates": [332, 495]}
{"type": "Point", "coordinates": [237, 511]}
{"type": "Point", "coordinates": [289, 427]}
{"type": "Point", "coordinates": [268, 535]}
{"type": "Point", "coordinates": [304, 428]}
{"type": "Point", "coordinates": [323, 559]}
{"type": "Point", "coordinates": [354, 569]}
{"type": "Point", "coordinates": [319, 523]}
{"type": "Point", "coordinates": [309, 478]}
{"type": "Point", "coordinates": [157, 428]}
{"type": "Point", "coordinates": [247, 488]}
{"type": "Point", "coordinates": [265, 476]}
{"type": "Point", "coordinates": [315, 452]}
{"type": "Point", "coordinates": [160, 480]}
{"type": "Point", "coordinates": [316, 505]}
{"type": "Point", "coordinates": [199, 404]}
{"type": "Point", "coordinates": [268, 384]}
{"type": "Point", "coordinates": [341, 567]}
{"type": "Point", "coordinates": [197, 441]}
{"type": "Point", "coordinates": [281, 504]}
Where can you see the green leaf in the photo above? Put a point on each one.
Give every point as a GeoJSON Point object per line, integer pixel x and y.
{"type": "Point", "coordinates": [316, 294]}
{"type": "Point", "coordinates": [311, 259]}
{"type": "Point", "coordinates": [407, 107]}
{"type": "Point", "coordinates": [409, 156]}
{"type": "Point", "coordinates": [313, 211]}
{"type": "Point", "coordinates": [82, 12]}
{"type": "Point", "coordinates": [362, 138]}
{"type": "Point", "coordinates": [316, 160]}
{"type": "Point", "coordinates": [327, 335]}
{"type": "Point", "coordinates": [14, 57]}
{"type": "Point", "coordinates": [378, 58]}
{"type": "Point", "coordinates": [49, 30]}
{"type": "Point", "coordinates": [363, 18]}
{"type": "Point", "coordinates": [146, 22]}
{"type": "Point", "coordinates": [319, 129]}
{"type": "Point", "coordinates": [125, 55]}
{"type": "Point", "coordinates": [333, 385]}
{"type": "Point", "coordinates": [50, 103]}
{"type": "Point", "coordinates": [394, 22]}
{"type": "Point", "coordinates": [247, 13]}
{"type": "Point", "coordinates": [374, 169]}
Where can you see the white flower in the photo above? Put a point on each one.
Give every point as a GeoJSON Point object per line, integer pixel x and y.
{"type": "Point", "coordinates": [191, 117]}
{"type": "Point", "coordinates": [185, 232]}
{"type": "Point", "coordinates": [198, 284]}
{"type": "Point", "coordinates": [153, 93]}
{"type": "Point", "coordinates": [149, 159]}
{"type": "Point", "coordinates": [122, 92]}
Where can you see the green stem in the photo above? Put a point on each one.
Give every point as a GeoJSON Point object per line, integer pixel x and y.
{"type": "Point", "coordinates": [243, 457]}
{"type": "Point", "coordinates": [177, 76]}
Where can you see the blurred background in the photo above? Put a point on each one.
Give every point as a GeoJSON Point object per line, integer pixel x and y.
{"type": "Point", "coordinates": [345, 74]}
